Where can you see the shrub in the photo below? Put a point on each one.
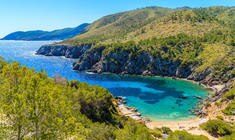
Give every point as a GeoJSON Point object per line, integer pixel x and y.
{"type": "Point", "coordinates": [133, 131]}
{"type": "Point", "coordinates": [230, 109]}
{"type": "Point", "coordinates": [217, 128]}
{"type": "Point", "coordinates": [157, 133]}
{"type": "Point", "coordinates": [183, 135]}
{"type": "Point", "coordinates": [230, 95]}
{"type": "Point", "coordinates": [229, 137]}
{"type": "Point", "coordinates": [220, 117]}
{"type": "Point", "coordinates": [166, 130]}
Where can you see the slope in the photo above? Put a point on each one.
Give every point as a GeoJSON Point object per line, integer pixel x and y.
{"type": "Point", "coordinates": [60, 34]}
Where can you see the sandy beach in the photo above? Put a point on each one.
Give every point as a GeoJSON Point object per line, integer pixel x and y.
{"type": "Point", "coordinates": [192, 126]}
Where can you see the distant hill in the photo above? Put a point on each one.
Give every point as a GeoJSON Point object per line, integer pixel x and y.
{"type": "Point", "coordinates": [59, 34]}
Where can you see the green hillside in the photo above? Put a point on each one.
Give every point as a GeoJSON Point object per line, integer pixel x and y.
{"type": "Point", "coordinates": [156, 22]}
{"type": "Point", "coordinates": [193, 43]}
{"type": "Point", "coordinates": [115, 27]}
{"type": "Point", "coordinates": [34, 106]}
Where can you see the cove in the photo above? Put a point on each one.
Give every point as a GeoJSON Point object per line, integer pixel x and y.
{"type": "Point", "coordinates": [155, 97]}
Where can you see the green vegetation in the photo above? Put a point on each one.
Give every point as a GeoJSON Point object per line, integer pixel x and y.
{"type": "Point", "coordinates": [114, 27]}
{"type": "Point", "coordinates": [201, 40]}
{"type": "Point", "coordinates": [150, 22]}
{"type": "Point", "coordinates": [230, 109]}
{"type": "Point", "coordinates": [217, 128]}
{"type": "Point", "coordinates": [134, 131]}
{"type": "Point", "coordinates": [183, 135]}
{"type": "Point", "coordinates": [157, 133]}
{"type": "Point", "coordinates": [198, 39]}
{"type": "Point", "coordinates": [229, 97]}
{"type": "Point", "coordinates": [34, 106]}
{"type": "Point", "coordinates": [203, 53]}
{"type": "Point", "coordinates": [229, 137]}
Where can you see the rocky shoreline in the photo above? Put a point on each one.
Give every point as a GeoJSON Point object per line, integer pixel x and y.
{"type": "Point", "coordinates": [129, 111]}
{"type": "Point", "coordinates": [67, 51]}
{"type": "Point", "coordinates": [97, 60]}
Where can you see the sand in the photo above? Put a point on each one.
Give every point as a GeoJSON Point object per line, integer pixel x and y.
{"type": "Point", "coordinates": [192, 126]}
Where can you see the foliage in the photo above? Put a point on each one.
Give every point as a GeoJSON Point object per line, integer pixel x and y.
{"type": "Point", "coordinates": [157, 132]}
{"type": "Point", "coordinates": [230, 109]}
{"type": "Point", "coordinates": [133, 132]}
{"type": "Point", "coordinates": [146, 23]}
{"type": "Point", "coordinates": [199, 41]}
{"type": "Point", "coordinates": [230, 95]}
{"type": "Point", "coordinates": [34, 106]}
{"type": "Point", "coordinates": [166, 130]}
{"type": "Point", "coordinates": [217, 128]}
{"type": "Point", "coordinates": [228, 137]}
{"type": "Point", "coordinates": [183, 135]}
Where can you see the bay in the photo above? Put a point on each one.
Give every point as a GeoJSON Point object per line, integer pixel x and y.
{"type": "Point", "coordinates": [155, 97]}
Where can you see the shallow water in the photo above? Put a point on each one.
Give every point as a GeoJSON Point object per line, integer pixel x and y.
{"type": "Point", "coordinates": [154, 97]}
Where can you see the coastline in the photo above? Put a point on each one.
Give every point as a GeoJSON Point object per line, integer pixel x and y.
{"type": "Point", "coordinates": [213, 89]}
{"type": "Point", "coordinates": [191, 124]}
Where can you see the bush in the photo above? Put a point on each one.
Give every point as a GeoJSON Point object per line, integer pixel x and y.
{"type": "Point", "coordinates": [229, 137]}
{"type": "Point", "coordinates": [230, 95]}
{"type": "Point", "coordinates": [133, 131]}
{"type": "Point", "coordinates": [157, 133]}
{"type": "Point", "coordinates": [220, 117]}
{"type": "Point", "coordinates": [217, 128]}
{"type": "Point", "coordinates": [166, 130]}
{"type": "Point", "coordinates": [230, 109]}
{"type": "Point", "coordinates": [183, 135]}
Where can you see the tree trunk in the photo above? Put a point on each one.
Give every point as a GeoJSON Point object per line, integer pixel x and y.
{"type": "Point", "coordinates": [19, 132]}
{"type": "Point", "coordinates": [36, 129]}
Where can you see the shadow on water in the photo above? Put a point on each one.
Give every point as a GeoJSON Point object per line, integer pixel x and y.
{"type": "Point", "coordinates": [147, 97]}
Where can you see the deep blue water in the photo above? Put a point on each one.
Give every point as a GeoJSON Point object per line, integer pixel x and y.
{"type": "Point", "coordinates": [154, 97]}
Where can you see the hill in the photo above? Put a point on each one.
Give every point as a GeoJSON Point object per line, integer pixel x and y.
{"type": "Point", "coordinates": [158, 41]}
{"type": "Point", "coordinates": [60, 34]}
{"type": "Point", "coordinates": [155, 22]}
{"type": "Point", "coordinates": [193, 43]}
{"type": "Point", "coordinates": [115, 27]}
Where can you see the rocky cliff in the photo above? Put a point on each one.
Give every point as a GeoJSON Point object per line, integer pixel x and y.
{"type": "Point", "coordinates": [122, 63]}
{"type": "Point", "coordinates": [63, 50]}
{"type": "Point", "coordinates": [97, 59]}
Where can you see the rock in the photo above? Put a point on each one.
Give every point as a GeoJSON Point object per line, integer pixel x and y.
{"type": "Point", "coordinates": [52, 50]}
{"type": "Point", "coordinates": [200, 76]}
{"type": "Point", "coordinates": [165, 67]}
{"type": "Point", "coordinates": [198, 97]}
{"type": "Point", "coordinates": [183, 97]}
{"type": "Point", "coordinates": [184, 71]}
{"type": "Point", "coordinates": [88, 59]}
{"type": "Point", "coordinates": [139, 64]}
{"type": "Point", "coordinates": [147, 73]}
{"type": "Point", "coordinates": [63, 50]}
{"type": "Point", "coordinates": [100, 59]}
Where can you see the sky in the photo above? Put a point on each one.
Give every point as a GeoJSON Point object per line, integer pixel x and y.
{"type": "Point", "coordinates": [23, 15]}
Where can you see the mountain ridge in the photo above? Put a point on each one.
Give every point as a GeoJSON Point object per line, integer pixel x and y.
{"type": "Point", "coordinates": [39, 35]}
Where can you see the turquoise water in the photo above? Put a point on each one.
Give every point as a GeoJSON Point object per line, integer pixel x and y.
{"type": "Point", "coordinates": [154, 97]}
